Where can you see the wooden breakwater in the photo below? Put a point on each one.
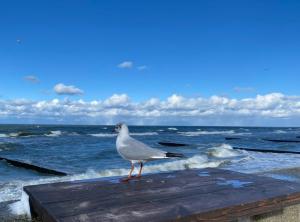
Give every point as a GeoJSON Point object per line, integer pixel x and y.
{"type": "Point", "coordinates": [189, 195]}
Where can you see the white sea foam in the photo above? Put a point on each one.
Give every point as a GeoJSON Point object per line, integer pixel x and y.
{"type": "Point", "coordinates": [21, 207]}
{"type": "Point", "coordinates": [223, 151]}
{"type": "Point", "coordinates": [114, 134]}
{"type": "Point", "coordinates": [13, 134]}
{"type": "Point", "coordinates": [242, 134]}
{"type": "Point", "coordinates": [21, 134]}
{"type": "Point", "coordinates": [144, 134]}
{"type": "Point", "coordinates": [172, 128]}
{"type": "Point", "coordinates": [280, 131]}
{"type": "Point", "coordinates": [103, 134]}
{"type": "Point", "coordinates": [54, 133]}
{"type": "Point", "coordinates": [198, 133]}
{"type": "Point", "coordinates": [2, 135]}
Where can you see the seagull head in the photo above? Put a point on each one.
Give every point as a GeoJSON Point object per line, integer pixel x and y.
{"type": "Point", "coordinates": [121, 127]}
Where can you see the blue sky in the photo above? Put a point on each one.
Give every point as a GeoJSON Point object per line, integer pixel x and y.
{"type": "Point", "coordinates": [235, 49]}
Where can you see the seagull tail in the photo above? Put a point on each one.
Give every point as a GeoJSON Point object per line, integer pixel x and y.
{"type": "Point", "coordinates": [168, 154]}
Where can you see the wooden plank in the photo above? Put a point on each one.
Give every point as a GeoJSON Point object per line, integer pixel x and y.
{"type": "Point", "coordinates": [200, 195]}
{"type": "Point", "coordinates": [157, 209]}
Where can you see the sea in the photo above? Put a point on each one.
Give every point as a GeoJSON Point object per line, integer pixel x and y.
{"type": "Point", "coordinates": [87, 152]}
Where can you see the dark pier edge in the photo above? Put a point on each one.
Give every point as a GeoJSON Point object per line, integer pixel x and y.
{"type": "Point", "coordinates": [190, 195]}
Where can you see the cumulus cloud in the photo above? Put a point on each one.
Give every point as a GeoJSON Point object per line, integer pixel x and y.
{"type": "Point", "coordinates": [31, 78]}
{"type": "Point", "coordinates": [269, 109]}
{"type": "Point", "coordinates": [126, 65]}
{"type": "Point", "coordinates": [63, 89]}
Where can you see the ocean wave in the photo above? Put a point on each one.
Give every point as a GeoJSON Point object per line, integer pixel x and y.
{"type": "Point", "coordinates": [23, 134]}
{"type": "Point", "coordinates": [54, 133]}
{"type": "Point", "coordinates": [223, 151]}
{"type": "Point", "coordinates": [22, 206]}
{"type": "Point", "coordinates": [198, 133]}
{"type": "Point", "coordinates": [103, 134]}
{"type": "Point", "coordinates": [132, 134]}
{"type": "Point", "coordinates": [144, 134]}
{"type": "Point", "coordinates": [172, 128]}
{"type": "Point", "coordinates": [279, 131]}
{"type": "Point", "coordinates": [242, 134]}
{"type": "Point", "coordinates": [73, 134]}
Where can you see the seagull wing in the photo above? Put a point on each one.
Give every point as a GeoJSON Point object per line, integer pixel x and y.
{"type": "Point", "coordinates": [132, 149]}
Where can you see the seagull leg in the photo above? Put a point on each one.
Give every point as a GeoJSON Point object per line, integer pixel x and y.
{"type": "Point", "coordinates": [131, 170]}
{"type": "Point", "coordinates": [140, 172]}
{"type": "Point", "coordinates": [129, 175]}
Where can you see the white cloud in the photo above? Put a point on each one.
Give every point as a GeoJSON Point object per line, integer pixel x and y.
{"type": "Point", "coordinates": [63, 89]}
{"type": "Point", "coordinates": [31, 78]}
{"type": "Point", "coordinates": [117, 100]}
{"type": "Point", "coordinates": [142, 67]}
{"type": "Point", "coordinates": [269, 109]}
{"type": "Point", "coordinates": [126, 65]}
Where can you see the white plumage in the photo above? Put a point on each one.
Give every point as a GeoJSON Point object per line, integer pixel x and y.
{"type": "Point", "coordinates": [135, 151]}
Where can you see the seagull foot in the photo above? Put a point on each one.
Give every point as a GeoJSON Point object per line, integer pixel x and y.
{"type": "Point", "coordinates": [126, 179]}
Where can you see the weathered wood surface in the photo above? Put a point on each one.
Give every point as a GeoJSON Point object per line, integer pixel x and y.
{"type": "Point", "coordinates": [190, 195]}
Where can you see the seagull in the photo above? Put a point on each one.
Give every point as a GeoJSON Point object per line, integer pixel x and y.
{"type": "Point", "coordinates": [137, 152]}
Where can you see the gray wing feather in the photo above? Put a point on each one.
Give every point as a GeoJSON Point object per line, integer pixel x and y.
{"type": "Point", "coordinates": [133, 149]}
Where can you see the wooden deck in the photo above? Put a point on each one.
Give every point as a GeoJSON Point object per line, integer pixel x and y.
{"type": "Point", "coordinates": [190, 195]}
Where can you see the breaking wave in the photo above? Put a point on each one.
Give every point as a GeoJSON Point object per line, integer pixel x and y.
{"type": "Point", "coordinates": [103, 134]}
{"type": "Point", "coordinates": [20, 134]}
{"type": "Point", "coordinates": [144, 134]}
{"type": "Point", "coordinates": [198, 133]}
{"type": "Point", "coordinates": [114, 134]}
{"type": "Point", "coordinates": [223, 151]}
{"type": "Point", "coordinates": [242, 134]}
{"type": "Point", "coordinates": [172, 128]}
{"type": "Point", "coordinates": [54, 133]}
{"type": "Point", "coordinates": [21, 207]}
{"type": "Point", "coordinates": [280, 131]}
